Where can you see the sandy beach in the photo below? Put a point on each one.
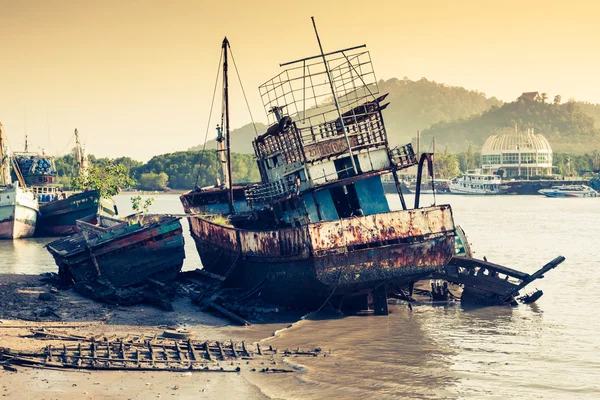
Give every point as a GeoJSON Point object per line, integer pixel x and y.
{"type": "Point", "coordinates": [69, 313]}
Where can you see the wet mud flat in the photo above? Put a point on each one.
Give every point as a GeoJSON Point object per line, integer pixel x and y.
{"type": "Point", "coordinates": [30, 304]}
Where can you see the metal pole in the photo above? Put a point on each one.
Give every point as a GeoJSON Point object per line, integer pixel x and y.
{"type": "Point", "coordinates": [418, 144]}
{"type": "Point", "coordinates": [4, 162]}
{"type": "Point", "coordinates": [227, 130]}
{"type": "Point", "coordinates": [337, 106]}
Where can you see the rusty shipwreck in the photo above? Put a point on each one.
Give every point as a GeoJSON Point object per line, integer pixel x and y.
{"type": "Point", "coordinates": [318, 227]}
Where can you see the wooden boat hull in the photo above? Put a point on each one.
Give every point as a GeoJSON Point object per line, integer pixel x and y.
{"type": "Point", "coordinates": [59, 218]}
{"type": "Point", "coordinates": [125, 257]}
{"type": "Point", "coordinates": [18, 213]}
{"type": "Point", "coordinates": [302, 267]}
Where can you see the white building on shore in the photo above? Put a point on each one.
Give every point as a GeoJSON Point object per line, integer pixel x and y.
{"type": "Point", "coordinates": [524, 154]}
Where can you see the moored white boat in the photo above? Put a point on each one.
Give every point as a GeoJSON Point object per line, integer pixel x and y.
{"type": "Point", "coordinates": [569, 191]}
{"type": "Point", "coordinates": [474, 182]}
{"type": "Point", "coordinates": [18, 205]}
{"type": "Point", "coordinates": [18, 212]}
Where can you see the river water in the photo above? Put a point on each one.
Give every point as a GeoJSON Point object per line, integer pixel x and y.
{"type": "Point", "coordinates": [549, 349]}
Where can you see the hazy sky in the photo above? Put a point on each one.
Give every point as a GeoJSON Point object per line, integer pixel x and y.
{"type": "Point", "coordinates": [136, 77]}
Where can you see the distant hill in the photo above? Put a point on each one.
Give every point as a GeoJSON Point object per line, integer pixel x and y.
{"type": "Point", "coordinates": [566, 126]}
{"type": "Point", "coordinates": [414, 105]}
{"type": "Point", "coordinates": [593, 110]}
{"type": "Point", "coordinates": [241, 139]}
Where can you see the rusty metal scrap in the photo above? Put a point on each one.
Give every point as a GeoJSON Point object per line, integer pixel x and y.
{"type": "Point", "coordinates": [383, 228]}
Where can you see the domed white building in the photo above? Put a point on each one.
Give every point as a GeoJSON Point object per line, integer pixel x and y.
{"type": "Point", "coordinates": [517, 154]}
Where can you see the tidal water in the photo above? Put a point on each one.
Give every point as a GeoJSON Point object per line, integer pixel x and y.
{"type": "Point", "coordinates": [550, 349]}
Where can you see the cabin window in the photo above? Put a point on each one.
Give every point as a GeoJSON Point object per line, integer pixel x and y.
{"type": "Point", "coordinates": [343, 166]}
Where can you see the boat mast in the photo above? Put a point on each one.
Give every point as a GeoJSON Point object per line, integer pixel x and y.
{"type": "Point", "coordinates": [227, 128]}
{"type": "Point", "coordinates": [222, 182]}
{"type": "Point", "coordinates": [335, 100]}
{"type": "Point", "coordinates": [80, 155]}
{"type": "Point", "coordinates": [4, 161]}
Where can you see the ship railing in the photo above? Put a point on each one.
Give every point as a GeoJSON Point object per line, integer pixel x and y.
{"type": "Point", "coordinates": [268, 192]}
{"type": "Point", "coordinates": [403, 156]}
{"type": "Point", "coordinates": [304, 91]}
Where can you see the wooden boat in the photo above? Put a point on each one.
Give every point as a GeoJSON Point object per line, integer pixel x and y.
{"type": "Point", "coordinates": [318, 227]}
{"type": "Point", "coordinates": [486, 283]}
{"type": "Point", "coordinates": [18, 205]}
{"type": "Point", "coordinates": [59, 217]}
{"type": "Point", "coordinates": [123, 251]}
{"type": "Point", "coordinates": [60, 211]}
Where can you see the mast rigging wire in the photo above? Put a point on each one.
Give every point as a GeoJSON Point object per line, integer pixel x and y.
{"type": "Point", "coordinates": [212, 103]}
{"type": "Point", "coordinates": [243, 91]}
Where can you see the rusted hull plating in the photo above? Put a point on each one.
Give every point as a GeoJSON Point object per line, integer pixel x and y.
{"type": "Point", "coordinates": [303, 266]}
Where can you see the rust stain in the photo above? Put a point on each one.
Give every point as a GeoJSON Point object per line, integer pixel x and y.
{"type": "Point", "coordinates": [380, 228]}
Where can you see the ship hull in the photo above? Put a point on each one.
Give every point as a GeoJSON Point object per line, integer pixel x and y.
{"type": "Point", "coordinates": [128, 257]}
{"type": "Point", "coordinates": [59, 218]}
{"type": "Point", "coordinates": [303, 267]}
{"type": "Point", "coordinates": [18, 214]}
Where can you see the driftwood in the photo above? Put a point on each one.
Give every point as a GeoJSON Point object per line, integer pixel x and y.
{"type": "Point", "coordinates": [230, 315]}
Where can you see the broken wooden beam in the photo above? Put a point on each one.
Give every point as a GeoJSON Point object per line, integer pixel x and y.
{"type": "Point", "coordinates": [233, 317]}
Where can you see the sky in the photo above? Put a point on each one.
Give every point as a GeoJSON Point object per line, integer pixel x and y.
{"type": "Point", "coordinates": [136, 77]}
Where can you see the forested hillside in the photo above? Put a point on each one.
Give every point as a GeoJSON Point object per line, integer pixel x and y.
{"type": "Point", "coordinates": [593, 110]}
{"type": "Point", "coordinates": [174, 170]}
{"type": "Point", "coordinates": [241, 139]}
{"type": "Point", "coordinates": [414, 105]}
{"type": "Point", "coordinates": [566, 126]}
{"type": "Point", "coordinates": [182, 168]}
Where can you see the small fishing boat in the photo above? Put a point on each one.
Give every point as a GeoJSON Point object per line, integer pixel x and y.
{"type": "Point", "coordinates": [476, 183]}
{"type": "Point", "coordinates": [18, 204]}
{"type": "Point", "coordinates": [125, 251]}
{"type": "Point", "coordinates": [59, 211]}
{"type": "Point", "coordinates": [569, 191]}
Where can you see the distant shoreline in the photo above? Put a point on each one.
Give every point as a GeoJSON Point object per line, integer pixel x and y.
{"type": "Point", "coordinates": [153, 192]}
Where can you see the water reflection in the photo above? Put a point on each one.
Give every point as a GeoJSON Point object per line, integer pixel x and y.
{"type": "Point", "coordinates": [374, 357]}
{"type": "Point", "coordinates": [25, 256]}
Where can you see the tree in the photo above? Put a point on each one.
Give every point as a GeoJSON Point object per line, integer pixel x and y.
{"type": "Point", "coordinates": [544, 97]}
{"type": "Point", "coordinates": [153, 181]}
{"type": "Point", "coordinates": [467, 161]}
{"type": "Point", "coordinates": [557, 100]}
{"type": "Point", "coordinates": [108, 179]}
{"type": "Point", "coordinates": [446, 166]}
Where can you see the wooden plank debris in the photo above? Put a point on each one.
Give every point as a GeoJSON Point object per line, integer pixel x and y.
{"type": "Point", "coordinates": [142, 354]}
